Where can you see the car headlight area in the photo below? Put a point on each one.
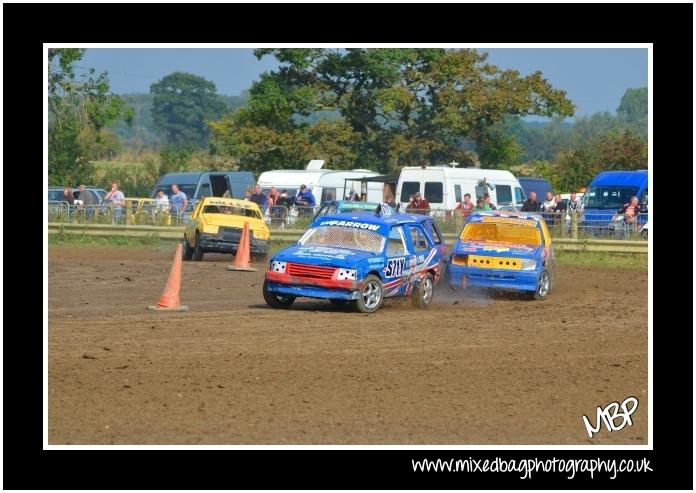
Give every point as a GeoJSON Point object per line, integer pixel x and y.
{"type": "Point", "coordinates": [528, 264]}
{"type": "Point", "coordinates": [278, 266]}
{"type": "Point", "coordinates": [349, 274]}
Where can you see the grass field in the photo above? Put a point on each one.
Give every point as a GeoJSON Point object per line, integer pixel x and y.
{"type": "Point", "coordinates": [574, 259]}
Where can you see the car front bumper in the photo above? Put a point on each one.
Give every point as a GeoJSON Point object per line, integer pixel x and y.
{"type": "Point", "coordinates": [282, 283]}
{"type": "Point", "coordinates": [228, 242]}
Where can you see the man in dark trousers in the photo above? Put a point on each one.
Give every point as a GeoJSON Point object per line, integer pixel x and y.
{"type": "Point", "coordinates": [531, 204]}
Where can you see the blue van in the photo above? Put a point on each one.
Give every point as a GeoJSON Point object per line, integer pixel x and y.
{"type": "Point", "coordinates": [535, 184]}
{"type": "Point", "coordinates": [197, 185]}
{"type": "Point", "coordinates": [608, 192]}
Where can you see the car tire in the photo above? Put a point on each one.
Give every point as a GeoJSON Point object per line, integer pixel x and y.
{"type": "Point", "coordinates": [543, 286]}
{"type": "Point", "coordinates": [371, 295]}
{"type": "Point", "coordinates": [188, 251]}
{"type": "Point", "coordinates": [197, 250]}
{"type": "Point", "coordinates": [423, 295]}
{"type": "Point", "coordinates": [275, 301]}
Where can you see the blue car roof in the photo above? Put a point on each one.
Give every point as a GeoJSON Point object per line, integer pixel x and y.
{"type": "Point", "coordinates": [377, 218]}
{"type": "Point", "coordinates": [631, 178]}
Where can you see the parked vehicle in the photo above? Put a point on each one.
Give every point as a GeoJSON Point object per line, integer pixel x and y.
{"type": "Point", "coordinates": [535, 184]}
{"type": "Point", "coordinates": [325, 184]}
{"type": "Point", "coordinates": [56, 194]}
{"type": "Point", "coordinates": [507, 251]}
{"type": "Point", "coordinates": [607, 193]}
{"type": "Point", "coordinates": [360, 258]}
{"type": "Point", "coordinates": [444, 186]}
{"type": "Point", "coordinates": [216, 225]}
{"type": "Point", "coordinates": [197, 185]}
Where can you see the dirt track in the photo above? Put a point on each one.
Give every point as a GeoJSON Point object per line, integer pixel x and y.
{"type": "Point", "coordinates": [232, 371]}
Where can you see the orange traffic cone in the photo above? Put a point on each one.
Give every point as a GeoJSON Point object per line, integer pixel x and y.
{"type": "Point", "coordinates": [170, 297]}
{"type": "Point", "coordinates": [242, 261]}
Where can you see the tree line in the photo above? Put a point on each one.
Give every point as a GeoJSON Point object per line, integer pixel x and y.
{"type": "Point", "coordinates": [380, 109]}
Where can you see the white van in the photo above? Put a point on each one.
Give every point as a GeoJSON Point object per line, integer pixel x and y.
{"type": "Point", "coordinates": [444, 186]}
{"type": "Point", "coordinates": [325, 184]}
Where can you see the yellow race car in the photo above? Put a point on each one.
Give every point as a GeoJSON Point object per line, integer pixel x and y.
{"type": "Point", "coordinates": [216, 225]}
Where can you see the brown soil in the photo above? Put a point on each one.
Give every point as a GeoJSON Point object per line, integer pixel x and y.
{"type": "Point", "coordinates": [232, 371]}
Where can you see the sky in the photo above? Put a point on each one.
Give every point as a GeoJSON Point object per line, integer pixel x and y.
{"type": "Point", "coordinates": [594, 78]}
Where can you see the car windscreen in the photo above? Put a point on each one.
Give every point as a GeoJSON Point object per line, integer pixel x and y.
{"type": "Point", "coordinates": [502, 233]}
{"type": "Point", "coordinates": [231, 210]}
{"type": "Point", "coordinates": [344, 237]}
{"type": "Point", "coordinates": [607, 196]}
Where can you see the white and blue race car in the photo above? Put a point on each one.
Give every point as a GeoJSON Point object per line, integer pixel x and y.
{"type": "Point", "coordinates": [360, 259]}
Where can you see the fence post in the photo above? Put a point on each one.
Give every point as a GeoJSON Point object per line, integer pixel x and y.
{"type": "Point", "coordinates": [574, 225]}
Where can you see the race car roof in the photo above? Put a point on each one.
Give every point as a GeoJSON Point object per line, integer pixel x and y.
{"type": "Point", "coordinates": [510, 214]}
{"type": "Point", "coordinates": [379, 219]}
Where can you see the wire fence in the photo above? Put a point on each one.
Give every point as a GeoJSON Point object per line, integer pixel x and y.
{"type": "Point", "coordinates": [579, 225]}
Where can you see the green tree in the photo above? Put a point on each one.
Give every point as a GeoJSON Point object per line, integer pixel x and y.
{"type": "Point", "coordinates": [75, 104]}
{"type": "Point", "coordinates": [403, 106]}
{"type": "Point", "coordinates": [182, 105]}
{"type": "Point", "coordinates": [634, 105]}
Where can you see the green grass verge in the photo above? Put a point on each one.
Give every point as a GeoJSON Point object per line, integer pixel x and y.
{"type": "Point", "coordinates": [601, 259]}
{"type": "Point", "coordinates": [110, 241]}
{"type": "Point", "coordinates": [571, 259]}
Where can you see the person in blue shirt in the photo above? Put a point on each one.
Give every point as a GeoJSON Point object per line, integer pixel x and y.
{"type": "Point", "coordinates": [178, 200]}
{"type": "Point", "coordinates": [259, 198]}
{"type": "Point", "coordinates": [305, 200]}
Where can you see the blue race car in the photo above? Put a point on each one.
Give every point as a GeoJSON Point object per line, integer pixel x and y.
{"type": "Point", "coordinates": [360, 258]}
{"type": "Point", "coordinates": [503, 250]}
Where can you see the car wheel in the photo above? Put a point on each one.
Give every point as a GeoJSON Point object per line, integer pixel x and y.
{"type": "Point", "coordinates": [423, 295]}
{"type": "Point", "coordinates": [188, 251]}
{"type": "Point", "coordinates": [371, 295]}
{"type": "Point", "coordinates": [197, 250]}
{"type": "Point", "coordinates": [275, 300]}
{"type": "Point", "coordinates": [544, 287]}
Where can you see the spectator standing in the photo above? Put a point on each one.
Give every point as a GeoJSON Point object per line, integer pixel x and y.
{"type": "Point", "coordinates": [87, 197]}
{"type": "Point", "coordinates": [178, 201]}
{"type": "Point", "coordinates": [479, 205]}
{"type": "Point", "coordinates": [549, 204]}
{"type": "Point", "coordinates": [273, 196]}
{"type": "Point", "coordinates": [305, 199]}
{"type": "Point", "coordinates": [68, 196]}
{"type": "Point", "coordinates": [161, 201]}
{"type": "Point", "coordinates": [419, 205]}
{"type": "Point", "coordinates": [116, 199]}
{"type": "Point", "coordinates": [466, 206]}
{"type": "Point", "coordinates": [259, 198]}
{"type": "Point", "coordinates": [531, 204]}
{"type": "Point", "coordinates": [574, 205]}
{"type": "Point", "coordinates": [487, 201]}
{"type": "Point", "coordinates": [630, 211]}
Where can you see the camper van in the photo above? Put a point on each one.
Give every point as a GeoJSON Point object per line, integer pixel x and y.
{"type": "Point", "coordinates": [197, 185]}
{"type": "Point", "coordinates": [325, 184]}
{"type": "Point", "coordinates": [444, 186]}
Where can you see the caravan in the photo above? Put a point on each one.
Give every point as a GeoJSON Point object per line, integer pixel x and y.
{"type": "Point", "coordinates": [325, 184]}
{"type": "Point", "coordinates": [444, 186]}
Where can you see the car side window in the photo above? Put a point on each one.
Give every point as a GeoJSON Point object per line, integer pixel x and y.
{"type": "Point", "coordinates": [434, 232]}
{"type": "Point", "coordinates": [419, 239]}
{"type": "Point", "coordinates": [395, 244]}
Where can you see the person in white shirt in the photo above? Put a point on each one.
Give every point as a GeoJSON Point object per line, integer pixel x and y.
{"type": "Point", "coordinates": [161, 201]}
{"type": "Point", "coordinates": [549, 204]}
